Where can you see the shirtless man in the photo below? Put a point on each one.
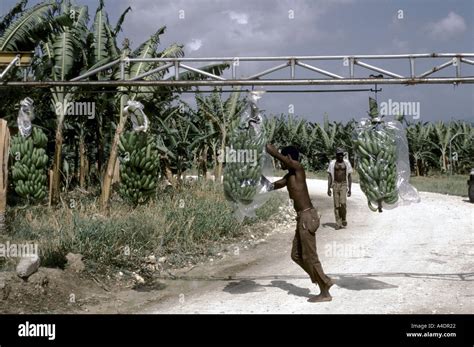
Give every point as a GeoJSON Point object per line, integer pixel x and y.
{"type": "Point", "coordinates": [304, 244]}
{"type": "Point", "coordinates": [340, 180]}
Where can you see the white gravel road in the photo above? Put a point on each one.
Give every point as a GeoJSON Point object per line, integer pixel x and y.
{"type": "Point", "coordinates": [412, 259]}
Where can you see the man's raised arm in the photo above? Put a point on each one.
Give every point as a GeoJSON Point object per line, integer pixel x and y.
{"type": "Point", "coordinates": [289, 163]}
{"type": "Point", "coordinates": [275, 185]}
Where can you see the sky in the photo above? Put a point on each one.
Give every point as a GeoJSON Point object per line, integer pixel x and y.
{"type": "Point", "coordinates": [221, 28]}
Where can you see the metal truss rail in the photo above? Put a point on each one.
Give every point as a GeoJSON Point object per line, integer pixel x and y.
{"type": "Point", "coordinates": [347, 63]}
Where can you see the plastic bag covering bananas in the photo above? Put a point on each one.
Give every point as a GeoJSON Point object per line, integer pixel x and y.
{"type": "Point", "coordinates": [376, 148]}
{"type": "Point", "coordinates": [137, 116]}
{"type": "Point", "coordinates": [29, 171]}
{"type": "Point", "coordinates": [25, 117]}
{"type": "Point", "coordinates": [243, 165]}
{"type": "Point", "coordinates": [139, 165]}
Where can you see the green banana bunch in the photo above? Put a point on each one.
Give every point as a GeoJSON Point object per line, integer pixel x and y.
{"type": "Point", "coordinates": [377, 152]}
{"type": "Point", "coordinates": [242, 177]}
{"type": "Point", "coordinates": [139, 166]}
{"type": "Point", "coordinates": [29, 171]}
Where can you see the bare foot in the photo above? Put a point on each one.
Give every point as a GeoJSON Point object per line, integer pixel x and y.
{"type": "Point", "coordinates": [320, 298]}
{"type": "Point", "coordinates": [329, 285]}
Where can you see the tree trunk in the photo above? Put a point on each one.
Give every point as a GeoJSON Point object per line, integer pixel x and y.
{"type": "Point", "coordinates": [444, 161]}
{"type": "Point", "coordinates": [109, 173]}
{"type": "Point", "coordinates": [421, 167]}
{"type": "Point", "coordinates": [203, 162]}
{"type": "Point", "coordinates": [116, 176]}
{"type": "Point", "coordinates": [82, 160]}
{"type": "Point", "coordinates": [55, 188]}
{"type": "Point", "coordinates": [4, 149]}
{"type": "Point", "coordinates": [216, 161]}
{"type": "Point", "coordinates": [166, 169]}
{"type": "Point", "coordinates": [220, 162]}
{"type": "Point", "coordinates": [87, 171]}
{"type": "Point", "coordinates": [100, 144]}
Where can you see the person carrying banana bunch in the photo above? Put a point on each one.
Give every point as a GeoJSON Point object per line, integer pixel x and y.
{"type": "Point", "coordinates": [340, 181]}
{"type": "Point", "coordinates": [303, 251]}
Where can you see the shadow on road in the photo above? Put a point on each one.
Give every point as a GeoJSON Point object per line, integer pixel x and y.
{"type": "Point", "coordinates": [249, 286]}
{"type": "Point", "coordinates": [331, 225]}
{"type": "Point", "coordinates": [291, 288]}
{"type": "Point", "coordinates": [362, 283]}
{"type": "Point", "coordinates": [243, 287]}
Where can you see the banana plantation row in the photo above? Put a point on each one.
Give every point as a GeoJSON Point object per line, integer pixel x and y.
{"type": "Point", "coordinates": [84, 150]}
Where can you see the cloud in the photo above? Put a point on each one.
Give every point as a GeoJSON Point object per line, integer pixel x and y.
{"type": "Point", "coordinates": [240, 18]}
{"type": "Point", "coordinates": [214, 28]}
{"type": "Point", "coordinates": [448, 27]}
{"type": "Point", "coordinates": [400, 45]}
{"type": "Point", "coordinates": [194, 45]}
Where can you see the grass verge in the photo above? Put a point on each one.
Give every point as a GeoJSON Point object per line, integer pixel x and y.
{"type": "Point", "coordinates": [183, 225]}
{"type": "Point", "coordinates": [443, 184]}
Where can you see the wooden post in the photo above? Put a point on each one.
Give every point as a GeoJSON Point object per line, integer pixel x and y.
{"type": "Point", "coordinates": [82, 161]}
{"type": "Point", "coordinates": [57, 160]}
{"type": "Point", "coordinates": [51, 182]}
{"type": "Point", "coordinates": [4, 151]}
{"type": "Point", "coordinates": [116, 177]}
{"type": "Point", "coordinates": [109, 173]}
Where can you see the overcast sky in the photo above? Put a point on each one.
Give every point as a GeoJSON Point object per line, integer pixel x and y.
{"type": "Point", "coordinates": [316, 27]}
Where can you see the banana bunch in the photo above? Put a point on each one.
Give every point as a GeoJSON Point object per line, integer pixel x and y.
{"type": "Point", "coordinates": [242, 175]}
{"type": "Point", "coordinates": [377, 152]}
{"type": "Point", "coordinates": [139, 166]}
{"type": "Point", "coordinates": [30, 164]}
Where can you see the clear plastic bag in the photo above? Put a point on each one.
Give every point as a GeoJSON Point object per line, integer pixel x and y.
{"type": "Point", "coordinates": [407, 193]}
{"type": "Point", "coordinates": [25, 117]}
{"type": "Point", "coordinates": [383, 162]}
{"type": "Point", "coordinates": [246, 161]}
{"type": "Point", "coordinates": [137, 116]}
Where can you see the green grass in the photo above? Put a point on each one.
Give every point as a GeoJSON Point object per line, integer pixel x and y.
{"type": "Point", "coordinates": [183, 225]}
{"type": "Point", "coordinates": [443, 184]}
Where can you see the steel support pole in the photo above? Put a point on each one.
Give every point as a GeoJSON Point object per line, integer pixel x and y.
{"type": "Point", "coordinates": [246, 82]}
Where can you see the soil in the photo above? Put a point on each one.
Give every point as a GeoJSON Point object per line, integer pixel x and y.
{"type": "Point", "coordinates": [413, 259]}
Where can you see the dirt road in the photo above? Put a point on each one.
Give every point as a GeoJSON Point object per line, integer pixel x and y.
{"type": "Point", "coordinates": [413, 259]}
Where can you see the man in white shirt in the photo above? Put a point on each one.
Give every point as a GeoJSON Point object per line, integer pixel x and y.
{"type": "Point", "coordinates": [340, 180]}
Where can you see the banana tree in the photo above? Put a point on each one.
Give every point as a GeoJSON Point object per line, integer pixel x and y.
{"type": "Point", "coordinates": [420, 146]}
{"type": "Point", "coordinates": [463, 145]}
{"type": "Point", "coordinates": [271, 125]}
{"type": "Point", "coordinates": [144, 94]}
{"type": "Point", "coordinates": [220, 114]}
{"type": "Point", "coordinates": [10, 16]}
{"type": "Point", "coordinates": [64, 56]}
{"type": "Point", "coordinates": [206, 149]}
{"type": "Point", "coordinates": [22, 29]}
{"type": "Point", "coordinates": [442, 137]}
{"type": "Point", "coordinates": [323, 141]}
{"type": "Point", "coordinates": [179, 140]}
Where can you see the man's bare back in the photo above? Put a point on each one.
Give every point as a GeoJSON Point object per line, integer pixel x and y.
{"type": "Point", "coordinates": [304, 244]}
